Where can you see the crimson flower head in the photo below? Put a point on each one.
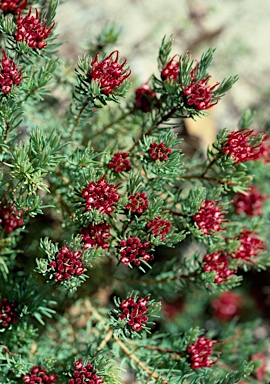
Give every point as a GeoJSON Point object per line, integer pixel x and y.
{"type": "Point", "coordinates": [10, 219]}
{"type": "Point", "coordinates": [171, 70]}
{"type": "Point", "coordinates": [250, 246]}
{"type": "Point", "coordinates": [144, 98]}
{"type": "Point", "coordinates": [100, 195]}
{"type": "Point", "coordinates": [9, 74]}
{"type": "Point", "coordinates": [84, 374]}
{"type": "Point", "coordinates": [8, 313]}
{"type": "Point", "coordinates": [200, 352]}
{"type": "Point", "coordinates": [209, 218]}
{"type": "Point", "coordinates": [109, 73]}
{"type": "Point", "coordinates": [250, 202]}
{"type": "Point", "coordinates": [159, 226]}
{"type": "Point", "coordinates": [218, 263]}
{"type": "Point", "coordinates": [134, 251]}
{"type": "Point", "coordinates": [30, 29]}
{"type": "Point", "coordinates": [39, 375]}
{"type": "Point", "coordinates": [159, 152]}
{"type": "Point", "coordinates": [134, 310]}
{"type": "Point", "coordinates": [96, 236]}
{"type": "Point", "coordinates": [120, 162]}
{"type": "Point", "coordinates": [13, 6]}
{"type": "Point", "coordinates": [199, 94]}
{"type": "Point", "coordinates": [241, 146]}
{"type": "Point", "coordinates": [227, 305]}
{"type": "Point", "coordinates": [67, 264]}
{"type": "Point", "coordinates": [261, 366]}
{"type": "Point", "coordinates": [138, 203]}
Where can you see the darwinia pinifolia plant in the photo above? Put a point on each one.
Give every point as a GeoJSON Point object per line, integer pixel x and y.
{"type": "Point", "coordinates": [105, 223]}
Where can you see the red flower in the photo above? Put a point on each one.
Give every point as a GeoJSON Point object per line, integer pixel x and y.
{"type": "Point", "coordinates": [30, 30]}
{"type": "Point", "coordinates": [227, 305]}
{"type": "Point", "coordinates": [159, 226]}
{"type": "Point", "coordinates": [134, 311]}
{"type": "Point", "coordinates": [96, 236]}
{"type": "Point", "coordinates": [199, 94]}
{"type": "Point", "coordinates": [138, 203]}
{"type": "Point", "coordinates": [39, 375]}
{"type": "Point", "coordinates": [100, 195]}
{"type": "Point", "coordinates": [108, 73]}
{"type": "Point", "coordinates": [144, 98]}
{"type": "Point", "coordinates": [134, 251]}
{"type": "Point", "coordinates": [120, 162]}
{"type": "Point", "coordinates": [260, 371]}
{"type": "Point", "coordinates": [8, 313]}
{"type": "Point", "coordinates": [159, 151]}
{"type": "Point", "coordinates": [200, 351]}
{"type": "Point", "coordinates": [242, 146]}
{"type": "Point", "coordinates": [67, 264]}
{"type": "Point", "coordinates": [250, 202]}
{"type": "Point", "coordinates": [13, 6]}
{"type": "Point", "coordinates": [209, 218]}
{"type": "Point", "coordinates": [218, 262]}
{"type": "Point", "coordinates": [250, 246]}
{"type": "Point", "coordinates": [10, 219]}
{"type": "Point", "coordinates": [9, 74]}
{"type": "Point", "coordinates": [84, 374]}
{"type": "Point", "coordinates": [171, 70]}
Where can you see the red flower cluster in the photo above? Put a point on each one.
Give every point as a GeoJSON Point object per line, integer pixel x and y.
{"type": "Point", "coordinates": [9, 74]}
{"type": "Point", "coordinates": [10, 219]}
{"type": "Point", "coordinates": [31, 30]}
{"type": "Point", "coordinates": [138, 203]}
{"type": "Point", "coordinates": [67, 264]}
{"type": "Point", "coordinates": [108, 73]}
{"type": "Point", "coordinates": [159, 151]}
{"type": "Point", "coordinates": [38, 375]}
{"type": "Point", "coordinates": [144, 98]}
{"type": "Point", "coordinates": [250, 202]}
{"type": "Point", "coordinates": [209, 218]}
{"type": "Point", "coordinates": [171, 70]}
{"type": "Point", "coordinates": [85, 374]}
{"type": "Point", "coordinates": [134, 311]}
{"type": "Point", "coordinates": [133, 251]}
{"type": "Point", "coordinates": [261, 370]}
{"type": "Point", "coordinates": [159, 226]}
{"type": "Point", "coordinates": [199, 94]}
{"type": "Point", "coordinates": [200, 351]}
{"type": "Point", "coordinates": [8, 313]}
{"type": "Point", "coordinates": [13, 6]}
{"type": "Point", "coordinates": [250, 246]}
{"type": "Point", "coordinates": [218, 262]}
{"type": "Point", "coordinates": [96, 236]}
{"type": "Point", "coordinates": [100, 195]}
{"type": "Point", "coordinates": [120, 162]}
{"type": "Point", "coordinates": [227, 305]}
{"type": "Point", "coordinates": [241, 148]}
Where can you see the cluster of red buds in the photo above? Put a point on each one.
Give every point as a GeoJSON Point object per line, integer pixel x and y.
{"type": "Point", "coordinates": [108, 73]}
{"type": "Point", "coordinates": [240, 146]}
{"type": "Point", "coordinates": [218, 263]}
{"type": "Point", "coordinates": [10, 219]}
{"type": "Point", "coordinates": [134, 311]}
{"type": "Point", "coordinates": [171, 70]}
{"type": "Point", "coordinates": [209, 218]}
{"type": "Point", "coordinates": [120, 162]}
{"type": "Point", "coordinates": [227, 305]}
{"type": "Point", "coordinates": [200, 351]}
{"type": "Point", "coordinates": [250, 202]}
{"type": "Point", "coordinates": [9, 74]}
{"type": "Point", "coordinates": [67, 264]}
{"type": "Point", "coordinates": [200, 95]}
{"type": "Point", "coordinates": [134, 251]}
{"type": "Point", "coordinates": [261, 368]}
{"type": "Point", "coordinates": [38, 375]}
{"type": "Point", "coordinates": [96, 236]}
{"type": "Point", "coordinates": [100, 195]}
{"type": "Point", "coordinates": [144, 98]}
{"type": "Point", "coordinates": [84, 374]}
{"type": "Point", "coordinates": [30, 29]}
{"type": "Point", "coordinates": [159, 226]}
{"type": "Point", "coordinates": [13, 6]}
{"type": "Point", "coordinates": [159, 151]}
{"type": "Point", "coordinates": [8, 313]}
{"type": "Point", "coordinates": [138, 203]}
{"type": "Point", "coordinates": [250, 246]}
